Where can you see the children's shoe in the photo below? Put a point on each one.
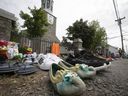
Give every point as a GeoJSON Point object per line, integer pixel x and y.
{"type": "Point", "coordinates": [84, 71]}
{"type": "Point", "coordinates": [66, 82]}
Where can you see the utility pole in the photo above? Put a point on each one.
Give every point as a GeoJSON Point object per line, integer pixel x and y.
{"type": "Point", "coordinates": [121, 34]}
{"type": "Point", "coordinates": [119, 23]}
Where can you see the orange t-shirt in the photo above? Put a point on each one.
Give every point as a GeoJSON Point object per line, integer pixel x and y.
{"type": "Point", "coordinates": [55, 49]}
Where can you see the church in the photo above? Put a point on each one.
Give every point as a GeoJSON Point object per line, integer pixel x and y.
{"type": "Point", "coordinates": [7, 20]}
{"type": "Point", "coordinates": [47, 5]}
{"type": "Point", "coordinates": [43, 44]}
{"type": "Point", "coordinates": [39, 45]}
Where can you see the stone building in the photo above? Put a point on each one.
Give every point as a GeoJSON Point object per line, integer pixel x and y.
{"type": "Point", "coordinates": [47, 5]}
{"type": "Point", "coordinates": [6, 24]}
{"type": "Point", "coordinates": [43, 44]}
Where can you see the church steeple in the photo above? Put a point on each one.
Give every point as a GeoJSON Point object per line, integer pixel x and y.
{"type": "Point", "coordinates": [47, 5]}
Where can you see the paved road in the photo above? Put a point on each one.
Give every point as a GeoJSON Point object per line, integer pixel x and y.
{"type": "Point", "coordinates": [112, 82]}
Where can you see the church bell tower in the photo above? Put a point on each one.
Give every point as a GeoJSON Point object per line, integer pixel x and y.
{"type": "Point", "coordinates": [47, 5]}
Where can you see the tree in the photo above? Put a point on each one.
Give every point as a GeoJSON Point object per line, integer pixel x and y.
{"type": "Point", "coordinates": [80, 29]}
{"type": "Point", "coordinates": [36, 23]}
{"type": "Point", "coordinates": [100, 37]}
{"type": "Point", "coordinates": [90, 33]}
{"type": "Point", "coordinates": [66, 43]}
{"type": "Point", "coordinates": [15, 32]}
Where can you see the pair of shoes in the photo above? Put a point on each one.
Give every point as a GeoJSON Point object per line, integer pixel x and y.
{"type": "Point", "coordinates": [7, 67]}
{"type": "Point", "coordinates": [83, 71]}
{"type": "Point", "coordinates": [85, 55]}
{"type": "Point", "coordinates": [24, 68]}
{"type": "Point", "coordinates": [96, 63]}
{"type": "Point", "coordinates": [66, 82]}
{"type": "Point", "coordinates": [17, 67]}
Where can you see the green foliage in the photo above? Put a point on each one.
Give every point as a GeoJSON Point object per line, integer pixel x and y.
{"type": "Point", "coordinates": [100, 38]}
{"type": "Point", "coordinates": [66, 43]}
{"type": "Point", "coordinates": [17, 57]}
{"type": "Point", "coordinates": [80, 29]}
{"type": "Point", "coordinates": [22, 49]}
{"type": "Point", "coordinates": [36, 23]}
{"type": "Point", "coordinates": [15, 32]}
{"type": "Point", "coordinates": [90, 33]}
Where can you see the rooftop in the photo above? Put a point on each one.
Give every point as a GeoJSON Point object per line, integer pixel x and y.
{"type": "Point", "coordinates": [6, 14]}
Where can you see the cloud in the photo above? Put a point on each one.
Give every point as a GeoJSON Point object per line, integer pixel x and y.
{"type": "Point", "coordinates": [68, 11]}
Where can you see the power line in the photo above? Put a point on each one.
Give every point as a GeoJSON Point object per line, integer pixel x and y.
{"type": "Point", "coordinates": [125, 31]}
{"type": "Point", "coordinates": [125, 35]}
{"type": "Point", "coordinates": [125, 39]}
{"type": "Point", "coordinates": [113, 37]}
{"type": "Point", "coordinates": [116, 36]}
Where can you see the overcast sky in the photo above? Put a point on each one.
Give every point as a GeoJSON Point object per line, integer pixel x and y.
{"type": "Point", "coordinates": [68, 11]}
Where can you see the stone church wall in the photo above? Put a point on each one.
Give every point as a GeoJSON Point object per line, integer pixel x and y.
{"type": "Point", "coordinates": [5, 28]}
{"type": "Point", "coordinates": [6, 19]}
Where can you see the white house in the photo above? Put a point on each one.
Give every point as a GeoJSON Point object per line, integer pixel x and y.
{"type": "Point", "coordinates": [113, 50]}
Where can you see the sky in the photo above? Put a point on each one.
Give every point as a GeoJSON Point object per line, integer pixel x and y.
{"type": "Point", "coordinates": [68, 11]}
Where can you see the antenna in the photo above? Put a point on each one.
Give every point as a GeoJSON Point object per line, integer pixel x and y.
{"type": "Point", "coordinates": [119, 23]}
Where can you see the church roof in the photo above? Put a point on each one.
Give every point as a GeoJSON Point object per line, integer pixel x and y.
{"type": "Point", "coordinates": [51, 38]}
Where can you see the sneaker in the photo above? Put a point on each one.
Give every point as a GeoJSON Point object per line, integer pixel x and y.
{"type": "Point", "coordinates": [45, 61]}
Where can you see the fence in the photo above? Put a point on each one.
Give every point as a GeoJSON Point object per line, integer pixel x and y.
{"type": "Point", "coordinates": [38, 45]}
